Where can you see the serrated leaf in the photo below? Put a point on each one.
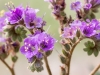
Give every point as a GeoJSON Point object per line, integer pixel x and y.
{"type": "Point", "coordinates": [38, 65]}
{"type": "Point", "coordinates": [86, 44]}
{"type": "Point", "coordinates": [31, 67]}
{"type": "Point", "coordinates": [23, 36]}
{"type": "Point", "coordinates": [91, 44]}
{"type": "Point", "coordinates": [14, 58]}
{"type": "Point", "coordinates": [90, 52]}
{"type": "Point", "coordinates": [14, 37]}
{"type": "Point", "coordinates": [19, 38]}
{"type": "Point", "coordinates": [86, 49]}
{"type": "Point", "coordinates": [96, 52]}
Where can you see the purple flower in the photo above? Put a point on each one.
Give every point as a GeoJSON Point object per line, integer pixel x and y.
{"type": "Point", "coordinates": [15, 15]}
{"type": "Point", "coordinates": [76, 23]}
{"type": "Point", "coordinates": [48, 0]}
{"type": "Point", "coordinates": [88, 31]}
{"type": "Point", "coordinates": [35, 43]}
{"type": "Point", "coordinates": [2, 23]}
{"type": "Point", "coordinates": [31, 20]}
{"type": "Point", "coordinates": [97, 36]}
{"type": "Point", "coordinates": [96, 24]}
{"type": "Point", "coordinates": [88, 6]}
{"type": "Point", "coordinates": [76, 6]}
{"type": "Point", "coordinates": [30, 47]}
{"type": "Point", "coordinates": [93, 2]}
{"type": "Point", "coordinates": [46, 41]}
{"type": "Point", "coordinates": [69, 32]}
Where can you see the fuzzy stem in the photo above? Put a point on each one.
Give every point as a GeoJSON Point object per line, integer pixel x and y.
{"type": "Point", "coordinates": [47, 65]}
{"type": "Point", "coordinates": [11, 69]}
{"type": "Point", "coordinates": [71, 52]}
{"type": "Point", "coordinates": [95, 70]}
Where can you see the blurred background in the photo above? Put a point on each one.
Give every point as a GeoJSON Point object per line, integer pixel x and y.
{"type": "Point", "coordinates": [81, 63]}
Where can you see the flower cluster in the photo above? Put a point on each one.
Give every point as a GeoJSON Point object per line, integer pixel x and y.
{"type": "Point", "coordinates": [36, 45]}
{"type": "Point", "coordinates": [21, 16]}
{"type": "Point", "coordinates": [87, 29]}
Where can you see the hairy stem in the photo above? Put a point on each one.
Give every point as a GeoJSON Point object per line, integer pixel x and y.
{"type": "Point", "coordinates": [47, 65]}
{"type": "Point", "coordinates": [95, 70]}
{"type": "Point", "coordinates": [11, 69]}
{"type": "Point", "coordinates": [71, 52]}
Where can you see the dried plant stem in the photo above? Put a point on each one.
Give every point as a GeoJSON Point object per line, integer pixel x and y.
{"type": "Point", "coordinates": [10, 68]}
{"type": "Point", "coordinates": [95, 70]}
{"type": "Point", "coordinates": [47, 65]}
{"type": "Point", "coordinates": [71, 52]}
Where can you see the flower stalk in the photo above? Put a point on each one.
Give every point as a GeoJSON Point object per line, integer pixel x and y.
{"type": "Point", "coordinates": [95, 70]}
{"type": "Point", "coordinates": [47, 65]}
{"type": "Point", "coordinates": [11, 69]}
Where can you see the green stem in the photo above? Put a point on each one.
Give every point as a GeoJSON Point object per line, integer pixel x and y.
{"type": "Point", "coordinates": [11, 69]}
{"type": "Point", "coordinates": [47, 65]}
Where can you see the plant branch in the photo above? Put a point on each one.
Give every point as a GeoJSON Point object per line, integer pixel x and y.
{"type": "Point", "coordinates": [95, 70]}
{"type": "Point", "coordinates": [47, 65]}
{"type": "Point", "coordinates": [11, 69]}
{"type": "Point", "coordinates": [71, 52]}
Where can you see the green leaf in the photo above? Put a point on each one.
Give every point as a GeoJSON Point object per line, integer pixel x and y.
{"type": "Point", "coordinates": [48, 53]}
{"type": "Point", "coordinates": [19, 38]}
{"type": "Point", "coordinates": [86, 49]}
{"type": "Point", "coordinates": [92, 15]}
{"type": "Point", "coordinates": [23, 36]}
{"type": "Point", "coordinates": [90, 52]}
{"type": "Point", "coordinates": [73, 40]}
{"type": "Point", "coordinates": [65, 53]}
{"type": "Point", "coordinates": [16, 49]}
{"type": "Point", "coordinates": [38, 65]}
{"type": "Point", "coordinates": [96, 52]}
{"type": "Point", "coordinates": [14, 37]}
{"type": "Point", "coordinates": [63, 59]}
{"type": "Point", "coordinates": [3, 55]}
{"type": "Point", "coordinates": [67, 47]}
{"type": "Point", "coordinates": [89, 44]}
{"type": "Point", "coordinates": [14, 58]}
{"type": "Point", "coordinates": [78, 33]}
{"type": "Point", "coordinates": [95, 10]}
{"type": "Point", "coordinates": [31, 67]}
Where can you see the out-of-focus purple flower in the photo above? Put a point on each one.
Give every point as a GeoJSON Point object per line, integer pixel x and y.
{"type": "Point", "coordinates": [46, 41]}
{"type": "Point", "coordinates": [88, 6]}
{"type": "Point", "coordinates": [97, 36]}
{"type": "Point", "coordinates": [15, 15]}
{"type": "Point", "coordinates": [56, 8]}
{"type": "Point", "coordinates": [69, 32]}
{"type": "Point", "coordinates": [76, 6]}
{"type": "Point", "coordinates": [88, 31]}
{"type": "Point", "coordinates": [48, 0]}
{"type": "Point", "coordinates": [93, 2]}
{"type": "Point", "coordinates": [31, 20]}
{"type": "Point", "coordinates": [96, 24]}
{"type": "Point", "coordinates": [76, 23]}
{"type": "Point", "coordinates": [2, 39]}
{"type": "Point", "coordinates": [2, 23]}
